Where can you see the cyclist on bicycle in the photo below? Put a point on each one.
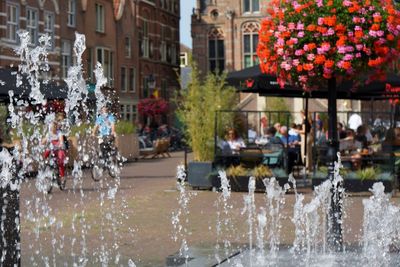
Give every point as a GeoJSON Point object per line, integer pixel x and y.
{"type": "Point", "coordinates": [56, 143]}
{"type": "Point", "coordinates": [105, 124]}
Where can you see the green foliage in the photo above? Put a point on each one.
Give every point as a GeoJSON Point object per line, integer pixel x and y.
{"type": "Point", "coordinates": [124, 127]}
{"type": "Point", "coordinates": [369, 173]}
{"type": "Point", "coordinates": [235, 171]}
{"type": "Point", "coordinates": [278, 104]}
{"type": "Point", "coordinates": [4, 128]}
{"type": "Point", "coordinates": [28, 130]}
{"type": "Point", "coordinates": [83, 129]}
{"type": "Point", "coordinates": [262, 171]}
{"type": "Point", "coordinates": [196, 108]}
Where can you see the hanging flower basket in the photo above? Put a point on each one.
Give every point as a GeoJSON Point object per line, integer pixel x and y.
{"type": "Point", "coordinates": [307, 42]}
{"type": "Point", "coordinates": [152, 106]}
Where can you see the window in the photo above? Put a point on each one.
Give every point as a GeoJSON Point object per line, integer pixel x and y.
{"type": "Point", "coordinates": [105, 57]}
{"type": "Point", "coordinates": [124, 83]}
{"type": "Point", "coordinates": [128, 112]}
{"type": "Point", "coordinates": [145, 87]}
{"type": "Point", "coordinates": [66, 57]}
{"type": "Point", "coordinates": [164, 91]}
{"type": "Point", "coordinates": [127, 47]}
{"type": "Point", "coordinates": [12, 21]}
{"type": "Point", "coordinates": [184, 61]}
{"type": "Point", "coordinates": [250, 43]}
{"type": "Point", "coordinates": [71, 13]}
{"type": "Point", "coordinates": [216, 55]}
{"type": "Point", "coordinates": [32, 24]}
{"type": "Point", "coordinates": [49, 25]}
{"type": "Point", "coordinates": [251, 6]}
{"type": "Point", "coordinates": [163, 46]}
{"type": "Point", "coordinates": [145, 40]}
{"type": "Point", "coordinates": [132, 80]}
{"type": "Point", "coordinates": [99, 18]}
{"type": "Point", "coordinates": [89, 62]}
{"type": "Point", "coordinates": [216, 50]}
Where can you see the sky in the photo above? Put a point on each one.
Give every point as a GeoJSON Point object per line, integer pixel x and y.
{"type": "Point", "coordinates": [186, 13]}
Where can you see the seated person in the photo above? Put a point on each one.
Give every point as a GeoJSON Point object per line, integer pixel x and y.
{"type": "Point", "coordinates": [235, 142]}
{"type": "Point", "coordinates": [292, 142]}
{"type": "Point", "coordinates": [269, 137]}
{"type": "Point", "coordinates": [361, 136]}
{"type": "Point", "coordinates": [252, 135]}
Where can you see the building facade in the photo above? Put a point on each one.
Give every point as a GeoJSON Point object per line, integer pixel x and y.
{"type": "Point", "coordinates": [136, 41]}
{"type": "Point", "coordinates": [225, 38]}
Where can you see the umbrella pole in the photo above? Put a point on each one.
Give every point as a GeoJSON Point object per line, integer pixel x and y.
{"type": "Point", "coordinates": [335, 240]}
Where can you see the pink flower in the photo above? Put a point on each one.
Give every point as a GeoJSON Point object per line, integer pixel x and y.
{"type": "Point", "coordinates": [320, 51]}
{"type": "Point", "coordinates": [300, 26]}
{"type": "Point", "coordinates": [348, 57]}
{"type": "Point", "coordinates": [362, 20]}
{"type": "Point", "coordinates": [327, 70]}
{"type": "Point", "coordinates": [380, 33]}
{"type": "Point", "coordinates": [280, 51]}
{"type": "Point", "coordinates": [281, 28]}
{"type": "Point", "coordinates": [295, 40]}
{"type": "Point", "coordinates": [299, 52]}
{"type": "Point", "coordinates": [300, 34]}
{"type": "Point", "coordinates": [356, 19]}
{"type": "Point", "coordinates": [326, 47]}
{"type": "Point", "coordinates": [330, 32]}
{"type": "Point", "coordinates": [280, 42]}
{"type": "Point", "coordinates": [320, 3]}
{"type": "Point", "coordinates": [303, 78]}
{"type": "Point", "coordinates": [340, 64]}
{"type": "Point", "coordinates": [372, 33]}
{"type": "Point", "coordinates": [342, 50]}
{"type": "Point", "coordinates": [296, 62]}
{"type": "Point", "coordinates": [349, 48]}
{"type": "Point", "coordinates": [358, 55]}
{"type": "Point", "coordinates": [347, 3]}
{"type": "Point", "coordinates": [350, 34]}
{"type": "Point", "coordinates": [305, 47]}
{"type": "Point", "coordinates": [359, 47]}
{"type": "Point", "coordinates": [320, 21]}
{"type": "Point", "coordinates": [291, 26]}
{"type": "Point", "coordinates": [371, 8]}
{"type": "Point", "coordinates": [357, 28]}
{"type": "Point", "coordinates": [310, 57]}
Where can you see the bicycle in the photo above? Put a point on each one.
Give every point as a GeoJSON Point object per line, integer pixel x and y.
{"type": "Point", "coordinates": [50, 175]}
{"type": "Point", "coordinates": [108, 159]}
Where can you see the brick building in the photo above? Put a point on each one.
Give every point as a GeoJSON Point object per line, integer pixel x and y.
{"type": "Point", "coordinates": [137, 42]}
{"type": "Point", "coordinates": [225, 38]}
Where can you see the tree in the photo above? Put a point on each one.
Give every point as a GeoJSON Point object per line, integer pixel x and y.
{"type": "Point", "coordinates": [197, 108]}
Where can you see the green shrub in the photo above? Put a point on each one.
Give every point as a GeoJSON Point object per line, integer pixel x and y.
{"type": "Point", "coordinates": [235, 171]}
{"type": "Point", "coordinates": [262, 171]}
{"type": "Point", "coordinates": [369, 173]}
{"type": "Point", "coordinates": [124, 127]}
{"type": "Point", "coordinates": [83, 129]}
{"type": "Point", "coordinates": [196, 108]}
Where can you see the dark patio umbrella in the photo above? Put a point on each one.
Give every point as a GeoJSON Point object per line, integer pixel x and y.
{"type": "Point", "coordinates": [51, 90]}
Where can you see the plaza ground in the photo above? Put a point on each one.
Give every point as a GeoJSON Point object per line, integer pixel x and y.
{"type": "Point", "coordinates": [86, 221]}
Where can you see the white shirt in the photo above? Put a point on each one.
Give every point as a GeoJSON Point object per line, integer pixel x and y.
{"type": "Point", "coordinates": [236, 144]}
{"type": "Point", "coordinates": [355, 121]}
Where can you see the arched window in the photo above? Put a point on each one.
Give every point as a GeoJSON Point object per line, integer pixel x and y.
{"type": "Point", "coordinates": [216, 50]}
{"type": "Point", "coordinates": [250, 42]}
{"type": "Point", "coordinates": [250, 6]}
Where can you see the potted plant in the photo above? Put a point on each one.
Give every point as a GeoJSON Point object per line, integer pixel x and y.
{"type": "Point", "coordinates": [127, 140]}
{"type": "Point", "coordinates": [238, 177]}
{"type": "Point", "coordinates": [196, 108]}
{"type": "Point", "coordinates": [363, 180]}
{"type": "Point", "coordinates": [261, 172]}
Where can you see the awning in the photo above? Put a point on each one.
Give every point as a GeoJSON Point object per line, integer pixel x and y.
{"type": "Point", "coordinates": [252, 80]}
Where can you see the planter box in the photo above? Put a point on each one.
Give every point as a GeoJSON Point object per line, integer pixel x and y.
{"type": "Point", "coordinates": [356, 185]}
{"type": "Point", "coordinates": [128, 146]}
{"type": "Point", "coordinates": [198, 173]}
{"type": "Point", "coordinates": [241, 183]}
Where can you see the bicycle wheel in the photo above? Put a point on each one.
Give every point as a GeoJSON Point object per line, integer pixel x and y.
{"type": "Point", "coordinates": [98, 171]}
{"type": "Point", "coordinates": [44, 180]}
{"type": "Point", "coordinates": [114, 169]}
